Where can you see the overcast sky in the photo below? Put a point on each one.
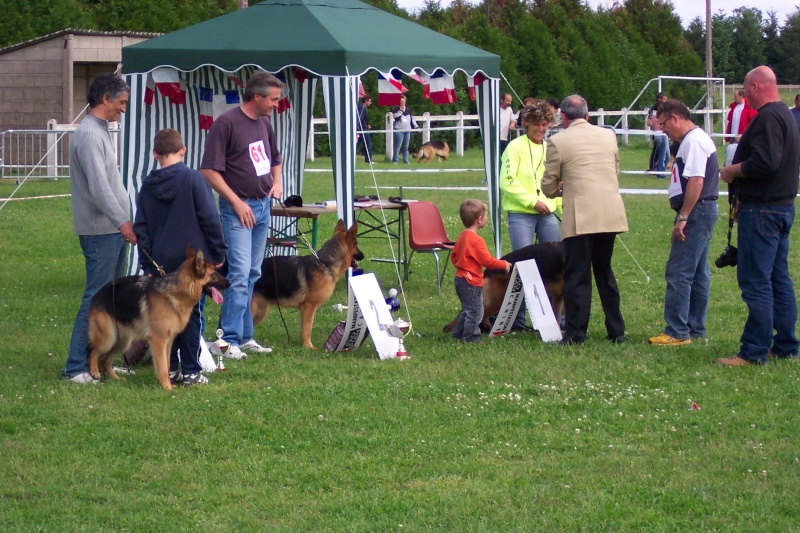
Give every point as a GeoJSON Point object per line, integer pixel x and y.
{"type": "Point", "coordinates": [686, 9]}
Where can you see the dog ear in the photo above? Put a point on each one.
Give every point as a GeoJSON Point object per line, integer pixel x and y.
{"type": "Point", "coordinates": [352, 233]}
{"type": "Point", "coordinates": [189, 251]}
{"type": "Point", "coordinates": [199, 264]}
{"type": "Point", "coordinates": [339, 226]}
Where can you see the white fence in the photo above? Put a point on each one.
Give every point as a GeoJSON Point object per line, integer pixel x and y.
{"type": "Point", "coordinates": [45, 153]}
{"type": "Point", "coordinates": [461, 123]}
{"type": "Point", "coordinates": [39, 153]}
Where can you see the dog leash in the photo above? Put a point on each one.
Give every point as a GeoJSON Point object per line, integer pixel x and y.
{"type": "Point", "coordinates": [158, 267]}
{"type": "Point", "coordinates": [301, 235]}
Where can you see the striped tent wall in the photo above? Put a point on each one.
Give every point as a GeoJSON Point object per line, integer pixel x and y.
{"type": "Point", "coordinates": [141, 122]}
{"type": "Point", "coordinates": [292, 129]}
{"type": "Point", "coordinates": [487, 96]}
{"type": "Point", "coordinates": [341, 95]}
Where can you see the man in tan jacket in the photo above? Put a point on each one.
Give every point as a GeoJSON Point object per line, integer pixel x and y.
{"type": "Point", "coordinates": [582, 165]}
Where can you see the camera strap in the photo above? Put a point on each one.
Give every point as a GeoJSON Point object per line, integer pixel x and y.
{"type": "Point", "coordinates": [731, 211]}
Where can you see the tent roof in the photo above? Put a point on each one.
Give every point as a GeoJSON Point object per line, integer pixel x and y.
{"type": "Point", "coordinates": [326, 37]}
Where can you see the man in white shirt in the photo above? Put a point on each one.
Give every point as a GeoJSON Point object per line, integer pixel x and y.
{"type": "Point", "coordinates": [508, 121]}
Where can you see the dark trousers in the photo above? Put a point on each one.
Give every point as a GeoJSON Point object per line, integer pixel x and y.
{"type": "Point", "coordinates": [188, 342]}
{"type": "Point", "coordinates": [367, 142]}
{"type": "Point", "coordinates": [587, 254]}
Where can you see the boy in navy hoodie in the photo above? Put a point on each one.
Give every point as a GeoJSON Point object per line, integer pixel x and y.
{"type": "Point", "coordinates": [176, 208]}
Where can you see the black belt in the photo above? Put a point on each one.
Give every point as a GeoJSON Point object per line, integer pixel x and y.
{"type": "Point", "coordinates": [699, 202]}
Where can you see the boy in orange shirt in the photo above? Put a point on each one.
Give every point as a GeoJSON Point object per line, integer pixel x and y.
{"type": "Point", "coordinates": [470, 256]}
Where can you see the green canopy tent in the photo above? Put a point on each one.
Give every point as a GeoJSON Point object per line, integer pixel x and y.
{"type": "Point", "coordinates": [179, 78]}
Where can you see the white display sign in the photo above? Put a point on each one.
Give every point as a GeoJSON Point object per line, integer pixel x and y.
{"type": "Point", "coordinates": [526, 279]}
{"type": "Point", "coordinates": [355, 328]}
{"type": "Point", "coordinates": [373, 308]}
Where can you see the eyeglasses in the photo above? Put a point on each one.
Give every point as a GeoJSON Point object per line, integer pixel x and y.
{"type": "Point", "coordinates": [662, 124]}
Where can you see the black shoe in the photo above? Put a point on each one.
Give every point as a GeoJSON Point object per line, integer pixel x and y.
{"type": "Point", "coordinates": [618, 340]}
{"type": "Point", "coordinates": [570, 342]}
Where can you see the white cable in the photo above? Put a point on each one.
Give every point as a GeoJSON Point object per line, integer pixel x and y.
{"type": "Point", "coordinates": [58, 140]}
{"type": "Point", "coordinates": [634, 259]}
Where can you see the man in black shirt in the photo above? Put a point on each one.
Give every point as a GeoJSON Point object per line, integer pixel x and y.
{"type": "Point", "coordinates": [763, 178]}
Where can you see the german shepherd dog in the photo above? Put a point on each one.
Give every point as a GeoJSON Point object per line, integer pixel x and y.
{"type": "Point", "coordinates": [440, 149]}
{"type": "Point", "coordinates": [153, 308]}
{"type": "Point", "coordinates": [305, 282]}
{"type": "Point", "coordinates": [550, 260]}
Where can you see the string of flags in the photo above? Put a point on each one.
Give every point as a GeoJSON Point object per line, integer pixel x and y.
{"type": "Point", "coordinates": [439, 87]}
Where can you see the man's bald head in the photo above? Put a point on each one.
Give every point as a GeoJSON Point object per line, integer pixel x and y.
{"type": "Point", "coordinates": [761, 86]}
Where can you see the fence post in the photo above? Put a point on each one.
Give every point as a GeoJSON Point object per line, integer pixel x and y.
{"type": "Point", "coordinates": [460, 134]}
{"type": "Point", "coordinates": [52, 156]}
{"type": "Point", "coordinates": [310, 147]}
{"type": "Point", "coordinates": [601, 118]}
{"type": "Point", "coordinates": [625, 125]}
{"type": "Point", "coordinates": [426, 127]}
{"type": "Point", "coordinates": [388, 125]}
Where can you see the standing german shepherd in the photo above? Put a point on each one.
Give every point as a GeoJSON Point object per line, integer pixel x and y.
{"type": "Point", "coordinates": [440, 149]}
{"type": "Point", "coordinates": [305, 282]}
{"type": "Point", "coordinates": [550, 260]}
{"type": "Point", "coordinates": [143, 307]}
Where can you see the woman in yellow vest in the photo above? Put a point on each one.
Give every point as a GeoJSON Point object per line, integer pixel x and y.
{"type": "Point", "coordinates": [530, 213]}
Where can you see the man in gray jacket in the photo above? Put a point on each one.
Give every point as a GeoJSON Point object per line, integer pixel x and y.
{"type": "Point", "coordinates": [100, 208]}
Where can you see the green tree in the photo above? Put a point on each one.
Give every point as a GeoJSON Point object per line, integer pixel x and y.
{"type": "Point", "coordinates": [721, 46]}
{"type": "Point", "coordinates": [788, 48]}
{"type": "Point", "coordinates": [771, 31]}
{"type": "Point", "coordinates": [695, 35]}
{"type": "Point", "coordinates": [23, 20]}
{"type": "Point", "coordinates": [747, 43]}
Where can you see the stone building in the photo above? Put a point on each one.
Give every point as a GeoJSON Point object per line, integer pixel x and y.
{"type": "Point", "coordinates": [47, 77]}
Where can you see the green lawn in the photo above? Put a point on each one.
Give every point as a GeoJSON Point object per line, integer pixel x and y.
{"type": "Point", "coordinates": [514, 435]}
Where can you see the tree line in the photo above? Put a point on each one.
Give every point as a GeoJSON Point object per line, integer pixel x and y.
{"type": "Point", "coordinates": [548, 47]}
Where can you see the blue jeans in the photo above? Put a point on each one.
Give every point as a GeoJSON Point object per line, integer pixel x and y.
{"type": "Point", "coordinates": [246, 249]}
{"type": "Point", "coordinates": [468, 327]}
{"type": "Point", "coordinates": [522, 227]}
{"type": "Point", "coordinates": [106, 260]}
{"type": "Point", "coordinates": [767, 289]}
{"type": "Point", "coordinates": [661, 148]}
{"type": "Point", "coordinates": [401, 139]}
{"type": "Point", "coordinates": [689, 276]}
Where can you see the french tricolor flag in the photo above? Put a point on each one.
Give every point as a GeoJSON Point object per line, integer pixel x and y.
{"type": "Point", "coordinates": [168, 82]}
{"type": "Point", "coordinates": [423, 79]}
{"type": "Point", "coordinates": [206, 108]}
{"type": "Point", "coordinates": [477, 79]}
{"type": "Point", "coordinates": [443, 88]}
{"type": "Point", "coordinates": [284, 104]}
{"type": "Point", "coordinates": [389, 90]}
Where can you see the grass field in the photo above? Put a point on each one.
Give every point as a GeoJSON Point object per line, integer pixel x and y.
{"type": "Point", "coordinates": [514, 435]}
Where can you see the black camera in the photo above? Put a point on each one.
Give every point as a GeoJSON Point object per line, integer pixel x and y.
{"type": "Point", "coordinates": [727, 258]}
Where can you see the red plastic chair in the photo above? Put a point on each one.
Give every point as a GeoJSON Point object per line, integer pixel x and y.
{"type": "Point", "coordinates": [426, 234]}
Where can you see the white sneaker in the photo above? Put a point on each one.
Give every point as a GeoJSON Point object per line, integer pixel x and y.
{"type": "Point", "coordinates": [252, 346]}
{"type": "Point", "coordinates": [235, 353]}
{"type": "Point", "coordinates": [83, 378]}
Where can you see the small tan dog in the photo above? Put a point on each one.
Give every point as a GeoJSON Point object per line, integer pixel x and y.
{"type": "Point", "coordinates": [440, 149]}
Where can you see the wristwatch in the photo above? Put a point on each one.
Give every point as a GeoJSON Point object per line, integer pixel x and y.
{"type": "Point", "coordinates": [681, 218]}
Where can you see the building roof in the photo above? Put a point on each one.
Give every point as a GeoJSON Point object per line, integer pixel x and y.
{"type": "Point", "coordinates": [75, 31]}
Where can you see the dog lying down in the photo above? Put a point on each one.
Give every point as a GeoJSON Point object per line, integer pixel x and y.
{"type": "Point", "coordinates": [549, 258]}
